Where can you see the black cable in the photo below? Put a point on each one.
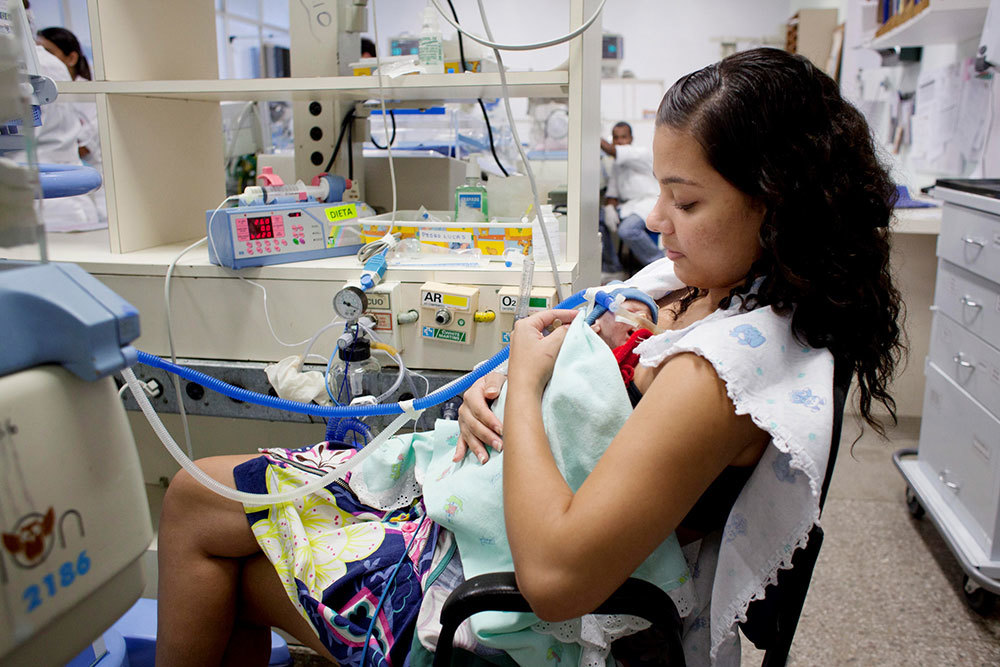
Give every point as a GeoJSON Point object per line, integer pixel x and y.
{"type": "Point", "coordinates": [392, 139]}
{"type": "Point", "coordinates": [340, 137]}
{"type": "Point", "coordinates": [489, 130]}
{"type": "Point", "coordinates": [350, 148]}
{"type": "Point", "coordinates": [465, 68]}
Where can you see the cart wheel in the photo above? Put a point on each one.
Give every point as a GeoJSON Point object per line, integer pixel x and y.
{"type": "Point", "coordinates": [980, 599]}
{"type": "Point", "coordinates": [913, 504]}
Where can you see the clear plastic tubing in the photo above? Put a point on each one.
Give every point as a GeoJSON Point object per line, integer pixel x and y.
{"type": "Point", "coordinates": [253, 499]}
{"type": "Point", "coordinates": [443, 394]}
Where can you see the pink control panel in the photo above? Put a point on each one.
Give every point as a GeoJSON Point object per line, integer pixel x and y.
{"type": "Point", "coordinates": [268, 235]}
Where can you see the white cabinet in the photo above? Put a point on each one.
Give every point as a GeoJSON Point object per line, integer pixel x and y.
{"type": "Point", "coordinates": [957, 471]}
{"type": "Point", "coordinates": [158, 97]}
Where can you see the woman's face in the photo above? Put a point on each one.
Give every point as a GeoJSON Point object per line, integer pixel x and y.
{"type": "Point", "coordinates": [708, 227]}
{"type": "Point", "coordinates": [70, 60]}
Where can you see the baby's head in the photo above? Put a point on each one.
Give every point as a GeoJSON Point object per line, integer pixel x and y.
{"type": "Point", "coordinates": [616, 333]}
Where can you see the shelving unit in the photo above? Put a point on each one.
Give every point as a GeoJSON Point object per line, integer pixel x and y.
{"type": "Point", "coordinates": [158, 98]}
{"type": "Point", "coordinates": [810, 33]}
{"type": "Point", "coordinates": [939, 22]}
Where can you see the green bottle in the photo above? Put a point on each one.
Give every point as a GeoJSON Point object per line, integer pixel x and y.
{"type": "Point", "coordinates": [470, 199]}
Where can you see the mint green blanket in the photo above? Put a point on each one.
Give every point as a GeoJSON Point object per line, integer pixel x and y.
{"type": "Point", "coordinates": [583, 408]}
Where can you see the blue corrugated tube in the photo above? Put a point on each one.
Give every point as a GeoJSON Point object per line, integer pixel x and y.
{"type": "Point", "coordinates": [446, 392]}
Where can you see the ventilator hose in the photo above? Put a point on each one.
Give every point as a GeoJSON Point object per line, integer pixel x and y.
{"type": "Point", "coordinates": [450, 390]}
{"type": "Point", "coordinates": [261, 499]}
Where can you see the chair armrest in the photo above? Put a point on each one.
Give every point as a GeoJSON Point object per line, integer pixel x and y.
{"type": "Point", "coordinates": [498, 591]}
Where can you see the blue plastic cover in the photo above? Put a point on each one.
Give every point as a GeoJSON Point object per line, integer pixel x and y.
{"type": "Point", "coordinates": [59, 314]}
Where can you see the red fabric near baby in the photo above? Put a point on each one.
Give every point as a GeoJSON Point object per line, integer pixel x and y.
{"type": "Point", "coordinates": [625, 354]}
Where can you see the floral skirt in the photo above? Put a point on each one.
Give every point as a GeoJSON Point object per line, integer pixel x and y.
{"type": "Point", "coordinates": [341, 562]}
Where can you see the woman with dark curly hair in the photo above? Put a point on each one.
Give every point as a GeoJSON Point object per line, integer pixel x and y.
{"type": "Point", "coordinates": [773, 209]}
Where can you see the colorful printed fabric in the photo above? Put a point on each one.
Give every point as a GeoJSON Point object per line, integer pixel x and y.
{"type": "Point", "coordinates": [335, 556]}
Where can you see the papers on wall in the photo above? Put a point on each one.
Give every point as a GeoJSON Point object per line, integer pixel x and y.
{"type": "Point", "coordinates": [950, 119]}
{"type": "Point", "coordinates": [879, 93]}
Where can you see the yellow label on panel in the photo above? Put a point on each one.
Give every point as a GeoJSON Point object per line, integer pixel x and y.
{"type": "Point", "coordinates": [342, 212]}
{"type": "Point", "coordinates": [457, 301]}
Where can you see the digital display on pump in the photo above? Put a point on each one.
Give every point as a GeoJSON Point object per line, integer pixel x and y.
{"type": "Point", "coordinates": [261, 228]}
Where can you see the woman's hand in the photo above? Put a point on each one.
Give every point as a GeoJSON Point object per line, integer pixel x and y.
{"type": "Point", "coordinates": [478, 426]}
{"type": "Point", "coordinates": [532, 352]}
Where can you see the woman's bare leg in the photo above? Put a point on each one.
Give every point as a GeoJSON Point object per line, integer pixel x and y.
{"type": "Point", "coordinates": [265, 604]}
{"type": "Point", "coordinates": [218, 594]}
{"type": "Point", "coordinates": [202, 540]}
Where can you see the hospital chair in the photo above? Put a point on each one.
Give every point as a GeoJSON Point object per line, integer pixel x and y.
{"type": "Point", "coordinates": [770, 623]}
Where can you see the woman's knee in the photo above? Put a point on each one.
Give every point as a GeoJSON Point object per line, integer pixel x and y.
{"type": "Point", "coordinates": [189, 504]}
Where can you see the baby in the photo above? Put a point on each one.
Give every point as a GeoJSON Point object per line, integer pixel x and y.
{"type": "Point", "coordinates": [615, 332]}
{"type": "Point", "coordinates": [620, 335]}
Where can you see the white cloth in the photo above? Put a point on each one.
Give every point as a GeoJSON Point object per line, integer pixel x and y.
{"type": "Point", "coordinates": [632, 182]}
{"type": "Point", "coordinates": [291, 383]}
{"type": "Point", "coordinates": [656, 278]}
{"type": "Point", "coordinates": [787, 388]}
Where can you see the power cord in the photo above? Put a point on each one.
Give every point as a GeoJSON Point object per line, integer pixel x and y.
{"type": "Point", "coordinates": [385, 127]}
{"type": "Point", "coordinates": [524, 158]}
{"type": "Point", "coordinates": [392, 139]}
{"type": "Point", "coordinates": [520, 47]}
{"type": "Point", "coordinates": [482, 106]}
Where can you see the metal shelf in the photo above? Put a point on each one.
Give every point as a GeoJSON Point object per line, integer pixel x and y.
{"type": "Point", "coordinates": [416, 87]}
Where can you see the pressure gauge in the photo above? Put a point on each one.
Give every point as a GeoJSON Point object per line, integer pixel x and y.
{"type": "Point", "coordinates": [350, 303]}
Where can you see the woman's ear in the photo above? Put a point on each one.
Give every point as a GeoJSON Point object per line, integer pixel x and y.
{"type": "Point", "coordinates": [72, 59]}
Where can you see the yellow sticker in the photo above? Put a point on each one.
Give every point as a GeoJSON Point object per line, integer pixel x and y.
{"type": "Point", "coordinates": [342, 212]}
{"type": "Point", "coordinates": [457, 301]}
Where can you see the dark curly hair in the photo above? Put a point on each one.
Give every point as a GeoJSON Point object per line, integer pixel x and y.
{"type": "Point", "coordinates": [777, 128]}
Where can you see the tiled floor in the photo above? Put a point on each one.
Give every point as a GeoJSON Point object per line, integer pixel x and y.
{"type": "Point", "coordinates": [887, 589]}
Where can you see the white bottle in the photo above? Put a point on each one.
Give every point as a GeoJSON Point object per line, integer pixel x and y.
{"type": "Point", "coordinates": [431, 49]}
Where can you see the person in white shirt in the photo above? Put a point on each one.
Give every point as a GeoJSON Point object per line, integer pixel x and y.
{"type": "Point", "coordinates": [632, 190]}
{"type": "Point", "coordinates": [64, 131]}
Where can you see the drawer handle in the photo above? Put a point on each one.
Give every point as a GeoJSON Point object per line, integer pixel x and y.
{"type": "Point", "coordinates": [954, 486]}
{"type": "Point", "coordinates": [958, 359]}
{"type": "Point", "coordinates": [966, 301]}
{"type": "Point", "coordinates": [976, 242]}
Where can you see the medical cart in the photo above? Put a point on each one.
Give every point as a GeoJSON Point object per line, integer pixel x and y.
{"type": "Point", "coordinates": [954, 475]}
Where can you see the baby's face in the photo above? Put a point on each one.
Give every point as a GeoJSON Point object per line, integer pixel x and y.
{"type": "Point", "coordinates": [615, 333]}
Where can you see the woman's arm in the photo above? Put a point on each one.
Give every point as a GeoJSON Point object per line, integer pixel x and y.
{"type": "Point", "coordinates": [571, 551]}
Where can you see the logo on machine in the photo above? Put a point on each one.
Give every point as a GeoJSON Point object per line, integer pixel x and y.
{"type": "Point", "coordinates": [444, 334]}
{"type": "Point", "coordinates": [30, 541]}
{"type": "Point", "coordinates": [32, 538]}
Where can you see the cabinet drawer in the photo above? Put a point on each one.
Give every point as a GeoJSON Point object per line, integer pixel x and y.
{"type": "Point", "coordinates": [971, 239]}
{"type": "Point", "coordinates": [970, 300]}
{"type": "Point", "coordinates": [960, 445]}
{"type": "Point", "coordinates": [968, 360]}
